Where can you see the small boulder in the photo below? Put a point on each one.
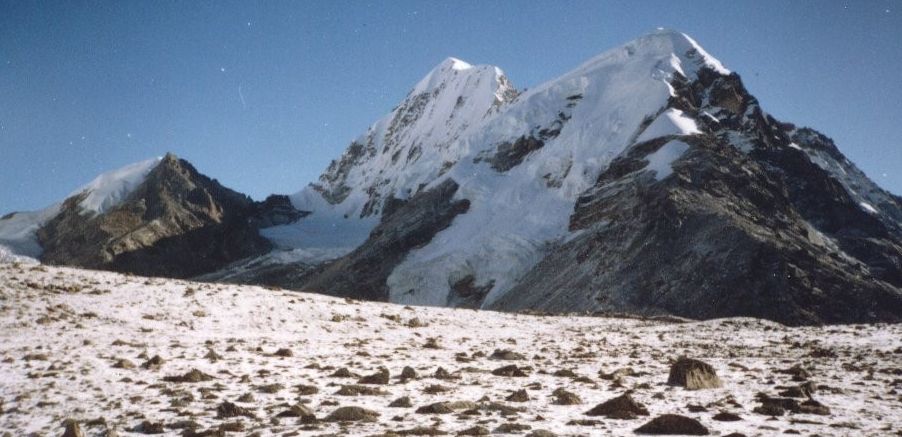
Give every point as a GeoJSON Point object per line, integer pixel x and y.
{"type": "Point", "coordinates": [518, 396]}
{"type": "Point", "coordinates": [72, 429]}
{"type": "Point", "coordinates": [564, 397]}
{"type": "Point", "coordinates": [352, 414]}
{"type": "Point", "coordinates": [693, 374]}
{"type": "Point", "coordinates": [621, 407]}
{"type": "Point", "coordinates": [379, 378]}
{"type": "Point", "coordinates": [672, 424]}
{"type": "Point", "coordinates": [227, 409]}
{"type": "Point", "coordinates": [510, 371]}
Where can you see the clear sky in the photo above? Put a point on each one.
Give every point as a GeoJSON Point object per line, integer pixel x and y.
{"type": "Point", "coordinates": [262, 95]}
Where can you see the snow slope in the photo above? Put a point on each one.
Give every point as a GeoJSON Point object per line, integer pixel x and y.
{"type": "Point", "coordinates": [17, 232]}
{"type": "Point", "coordinates": [451, 125]}
{"type": "Point", "coordinates": [73, 345]}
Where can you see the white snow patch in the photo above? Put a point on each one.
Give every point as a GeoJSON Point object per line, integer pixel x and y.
{"type": "Point", "coordinates": [111, 188]}
{"type": "Point", "coordinates": [670, 122]}
{"type": "Point", "coordinates": [661, 161]}
{"type": "Point", "coordinates": [867, 207]}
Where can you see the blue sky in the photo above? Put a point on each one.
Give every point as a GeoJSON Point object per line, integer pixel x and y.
{"type": "Point", "coordinates": [262, 95]}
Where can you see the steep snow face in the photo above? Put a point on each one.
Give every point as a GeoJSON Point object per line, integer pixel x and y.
{"type": "Point", "coordinates": [407, 149]}
{"type": "Point", "coordinates": [111, 188]}
{"type": "Point", "coordinates": [17, 231]}
{"type": "Point", "coordinates": [583, 120]}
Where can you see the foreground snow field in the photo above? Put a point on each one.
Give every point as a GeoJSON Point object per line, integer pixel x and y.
{"type": "Point", "coordinates": [80, 345]}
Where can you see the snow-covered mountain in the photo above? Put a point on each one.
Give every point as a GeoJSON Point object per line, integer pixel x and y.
{"type": "Point", "coordinates": [647, 180]}
{"type": "Point", "coordinates": [509, 173]}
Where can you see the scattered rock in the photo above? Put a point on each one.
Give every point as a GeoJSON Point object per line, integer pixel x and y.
{"type": "Point", "coordinates": [621, 407]}
{"type": "Point", "coordinates": [360, 390]}
{"type": "Point", "coordinates": [297, 410]}
{"type": "Point", "coordinates": [147, 427]}
{"type": "Point", "coordinates": [284, 353]}
{"type": "Point", "coordinates": [153, 363]}
{"type": "Point", "coordinates": [518, 396]}
{"type": "Point", "coordinates": [725, 416]}
{"type": "Point", "coordinates": [564, 397]}
{"type": "Point", "coordinates": [510, 371]}
{"type": "Point", "coordinates": [693, 374]}
{"type": "Point", "coordinates": [505, 354]}
{"type": "Point", "coordinates": [72, 429]}
{"type": "Point", "coordinates": [511, 428]}
{"type": "Point", "coordinates": [475, 430]}
{"type": "Point", "coordinates": [122, 363]}
{"type": "Point", "coordinates": [192, 376]}
{"type": "Point", "coordinates": [672, 424]}
{"type": "Point", "coordinates": [352, 414]}
{"type": "Point", "coordinates": [408, 373]}
{"type": "Point", "coordinates": [227, 409]}
{"type": "Point", "coordinates": [402, 402]}
{"type": "Point", "coordinates": [381, 377]}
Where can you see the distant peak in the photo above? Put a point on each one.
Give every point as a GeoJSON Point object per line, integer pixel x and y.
{"type": "Point", "coordinates": [449, 69]}
{"type": "Point", "coordinates": [454, 64]}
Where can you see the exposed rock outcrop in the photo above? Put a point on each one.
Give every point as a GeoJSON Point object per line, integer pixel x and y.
{"type": "Point", "coordinates": [176, 223]}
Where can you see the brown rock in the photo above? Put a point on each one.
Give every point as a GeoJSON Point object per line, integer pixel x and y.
{"type": "Point", "coordinates": [672, 424]}
{"type": "Point", "coordinates": [693, 374]}
{"type": "Point", "coordinates": [621, 407]}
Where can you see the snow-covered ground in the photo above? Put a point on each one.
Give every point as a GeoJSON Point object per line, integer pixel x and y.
{"type": "Point", "coordinates": [73, 344]}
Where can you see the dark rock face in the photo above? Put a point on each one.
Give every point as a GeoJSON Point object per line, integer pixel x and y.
{"type": "Point", "coordinates": [363, 273]}
{"type": "Point", "coordinates": [763, 232]}
{"type": "Point", "coordinates": [177, 223]}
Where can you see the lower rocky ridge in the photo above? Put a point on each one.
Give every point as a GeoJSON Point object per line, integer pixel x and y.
{"type": "Point", "coordinates": [720, 237]}
{"type": "Point", "coordinates": [177, 223]}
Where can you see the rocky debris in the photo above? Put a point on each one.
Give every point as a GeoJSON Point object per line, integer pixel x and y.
{"type": "Point", "coordinates": [725, 416]}
{"type": "Point", "coordinates": [510, 371]}
{"type": "Point", "coordinates": [306, 390]}
{"type": "Point", "coordinates": [227, 409]}
{"type": "Point", "coordinates": [441, 373]}
{"type": "Point", "coordinates": [541, 433]}
{"type": "Point", "coordinates": [360, 390]}
{"type": "Point", "coordinates": [804, 390]}
{"type": "Point", "coordinates": [284, 353]}
{"type": "Point", "coordinates": [123, 363]}
{"type": "Point", "coordinates": [408, 373]}
{"type": "Point", "coordinates": [72, 429]}
{"type": "Point", "coordinates": [621, 407]}
{"type": "Point", "coordinates": [148, 427]}
{"type": "Point", "coordinates": [446, 407]}
{"type": "Point", "coordinates": [343, 373]}
{"type": "Point", "coordinates": [192, 376]}
{"type": "Point", "coordinates": [270, 388]}
{"type": "Point", "coordinates": [153, 363]}
{"type": "Point", "coordinates": [475, 430]}
{"type": "Point", "coordinates": [301, 411]}
{"type": "Point", "coordinates": [771, 406]}
{"type": "Point", "coordinates": [693, 374]}
{"type": "Point", "coordinates": [564, 397]}
{"type": "Point", "coordinates": [381, 377]}
{"type": "Point", "coordinates": [797, 372]}
{"type": "Point", "coordinates": [505, 354]}
{"type": "Point", "coordinates": [511, 428]}
{"type": "Point", "coordinates": [518, 396]}
{"type": "Point", "coordinates": [672, 424]}
{"type": "Point", "coordinates": [402, 402]}
{"type": "Point", "coordinates": [352, 414]}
